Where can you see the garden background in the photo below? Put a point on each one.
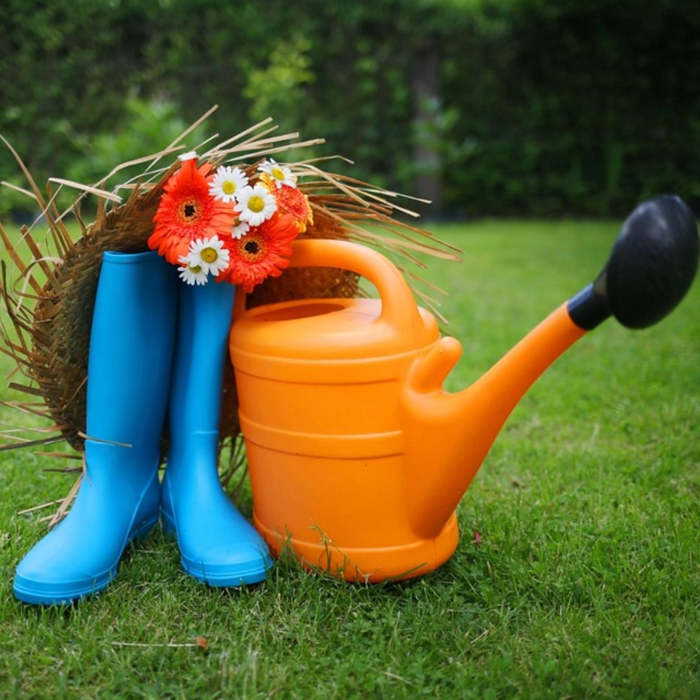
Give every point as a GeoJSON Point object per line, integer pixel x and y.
{"type": "Point", "coordinates": [578, 567]}
{"type": "Point", "coordinates": [509, 107]}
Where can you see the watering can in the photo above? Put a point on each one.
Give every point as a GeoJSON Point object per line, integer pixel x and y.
{"type": "Point", "coordinates": [357, 456]}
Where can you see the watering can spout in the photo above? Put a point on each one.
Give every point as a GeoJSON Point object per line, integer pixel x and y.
{"type": "Point", "coordinates": [447, 436]}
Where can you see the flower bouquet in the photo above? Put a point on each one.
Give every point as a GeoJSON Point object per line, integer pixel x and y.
{"type": "Point", "coordinates": [233, 225]}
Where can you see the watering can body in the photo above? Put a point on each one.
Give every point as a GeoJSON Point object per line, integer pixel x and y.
{"type": "Point", "coordinates": [319, 385]}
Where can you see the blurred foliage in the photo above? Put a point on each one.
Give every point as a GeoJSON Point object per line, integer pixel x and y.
{"type": "Point", "coordinates": [146, 126]}
{"type": "Point", "coordinates": [278, 87]}
{"type": "Point", "coordinates": [537, 107]}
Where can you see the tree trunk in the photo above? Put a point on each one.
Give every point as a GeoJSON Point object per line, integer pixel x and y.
{"type": "Point", "coordinates": [425, 82]}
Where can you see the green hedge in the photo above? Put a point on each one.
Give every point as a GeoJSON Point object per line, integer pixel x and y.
{"type": "Point", "coordinates": [512, 107]}
{"type": "Point", "coordinates": [577, 107]}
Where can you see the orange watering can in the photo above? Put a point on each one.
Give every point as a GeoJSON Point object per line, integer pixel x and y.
{"type": "Point", "coordinates": [357, 456]}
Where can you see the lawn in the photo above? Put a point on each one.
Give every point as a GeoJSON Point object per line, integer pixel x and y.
{"type": "Point", "coordinates": [583, 579]}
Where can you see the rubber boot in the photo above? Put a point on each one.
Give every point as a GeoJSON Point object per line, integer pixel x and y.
{"type": "Point", "coordinates": [129, 367]}
{"type": "Point", "coordinates": [217, 544]}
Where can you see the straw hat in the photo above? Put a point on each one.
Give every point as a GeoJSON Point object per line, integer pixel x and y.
{"type": "Point", "coordinates": [49, 286]}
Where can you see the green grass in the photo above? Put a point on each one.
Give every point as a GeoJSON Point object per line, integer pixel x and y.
{"type": "Point", "coordinates": [585, 584]}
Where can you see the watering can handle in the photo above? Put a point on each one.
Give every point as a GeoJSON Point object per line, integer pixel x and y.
{"type": "Point", "coordinates": [398, 305]}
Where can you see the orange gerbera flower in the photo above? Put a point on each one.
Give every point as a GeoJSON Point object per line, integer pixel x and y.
{"type": "Point", "coordinates": [292, 201]}
{"type": "Point", "coordinates": [262, 252]}
{"type": "Point", "coordinates": [187, 211]}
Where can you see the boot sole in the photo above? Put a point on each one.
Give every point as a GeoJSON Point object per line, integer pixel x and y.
{"type": "Point", "coordinates": [29, 591]}
{"type": "Point", "coordinates": [218, 576]}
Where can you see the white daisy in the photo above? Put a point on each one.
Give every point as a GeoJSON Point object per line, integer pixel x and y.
{"type": "Point", "coordinates": [227, 181]}
{"type": "Point", "coordinates": [240, 229]}
{"type": "Point", "coordinates": [280, 175]}
{"type": "Point", "coordinates": [209, 254]}
{"type": "Point", "coordinates": [257, 204]}
{"type": "Point", "coordinates": [190, 155]}
{"type": "Point", "coordinates": [193, 274]}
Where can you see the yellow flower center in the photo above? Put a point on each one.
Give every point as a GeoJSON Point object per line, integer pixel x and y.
{"type": "Point", "coordinates": [196, 269]}
{"type": "Point", "coordinates": [256, 203]}
{"type": "Point", "coordinates": [209, 255]}
{"type": "Point", "coordinates": [228, 187]}
{"type": "Point", "coordinates": [277, 173]}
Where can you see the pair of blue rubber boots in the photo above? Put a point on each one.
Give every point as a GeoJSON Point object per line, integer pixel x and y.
{"type": "Point", "coordinates": [157, 349]}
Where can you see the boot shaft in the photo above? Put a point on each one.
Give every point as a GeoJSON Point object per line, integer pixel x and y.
{"type": "Point", "coordinates": [204, 320]}
{"type": "Point", "coordinates": [131, 346]}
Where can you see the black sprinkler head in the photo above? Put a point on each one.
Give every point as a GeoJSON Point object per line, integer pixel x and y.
{"type": "Point", "coordinates": [650, 269]}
